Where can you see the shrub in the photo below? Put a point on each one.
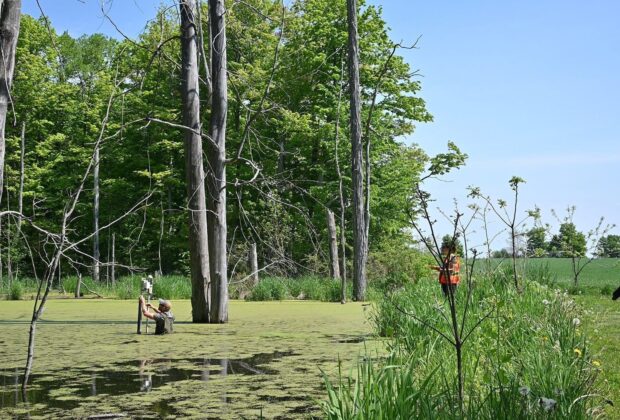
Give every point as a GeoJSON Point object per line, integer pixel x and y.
{"type": "Point", "coordinates": [607, 290]}
{"type": "Point", "coordinates": [394, 267]}
{"type": "Point", "coordinates": [17, 291]}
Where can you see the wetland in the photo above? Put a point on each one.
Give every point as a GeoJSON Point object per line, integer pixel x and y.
{"type": "Point", "coordinates": [267, 361]}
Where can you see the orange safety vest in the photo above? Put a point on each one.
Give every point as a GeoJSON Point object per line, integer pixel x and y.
{"type": "Point", "coordinates": [455, 267]}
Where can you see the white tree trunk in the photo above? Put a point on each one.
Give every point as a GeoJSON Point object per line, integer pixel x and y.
{"type": "Point", "coordinates": [334, 269]}
{"type": "Point", "coordinates": [96, 253]}
{"type": "Point", "coordinates": [253, 260]}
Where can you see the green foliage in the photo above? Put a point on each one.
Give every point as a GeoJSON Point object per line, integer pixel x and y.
{"type": "Point", "coordinates": [443, 163]}
{"type": "Point", "coordinates": [569, 242]}
{"type": "Point", "coordinates": [530, 349]}
{"type": "Point", "coordinates": [127, 287]}
{"type": "Point", "coordinates": [536, 242]}
{"type": "Point", "coordinates": [172, 287]}
{"type": "Point", "coordinates": [62, 91]}
{"type": "Point", "coordinates": [271, 288]}
{"type": "Point", "coordinates": [16, 292]}
{"type": "Point", "coordinates": [449, 241]}
{"type": "Point", "coordinates": [307, 287]}
{"type": "Point", "coordinates": [394, 266]}
{"type": "Point", "coordinates": [609, 246]}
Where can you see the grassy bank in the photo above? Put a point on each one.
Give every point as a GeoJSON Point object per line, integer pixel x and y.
{"type": "Point", "coordinates": [527, 356]}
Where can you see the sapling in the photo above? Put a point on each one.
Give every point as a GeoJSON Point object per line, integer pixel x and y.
{"type": "Point", "coordinates": [509, 218]}
{"type": "Point", "coordinates": [419, 209]}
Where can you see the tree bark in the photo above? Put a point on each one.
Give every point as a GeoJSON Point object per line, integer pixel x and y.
{"type": "Point", "coordinates": [216, 176]}
{"type": "Point", "coordinates": [198, 235]}
{"type": "Point", "coordinates": [334, 269]}
{"type": "Point", "coordinates": [10, 11]}
{"type": "Point", "coordinates": [22, 174]}
{"type": "Point", "coordinates": [253, 256]}
{"type": "Point", "coordinates": [112, 272]}
{"type": "Point", "coordinates": [96, 253]}
{"type": "Point", "coordinates": [78, 286]}
{"type": "Point", "coordinates": [360, 242]}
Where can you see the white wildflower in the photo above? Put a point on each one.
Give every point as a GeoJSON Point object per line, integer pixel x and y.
{"type": "Point", "coordinates": [576, 322]}
{"type": "Point", "coordinates": [547, 404]}
{"type": "Point", "coordinates": [545, 302]}
{"type": "Point", "coordinates": [524, 390]}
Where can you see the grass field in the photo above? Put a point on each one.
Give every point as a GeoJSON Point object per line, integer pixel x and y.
{"type": "Point", "coordinates": [603, 327]}
{"type": "Point", "coordinates": [600, 275]}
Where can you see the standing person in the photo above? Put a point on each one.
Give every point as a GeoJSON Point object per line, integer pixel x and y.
{"type": "Point", "coordinates": [449, 276]}
{"type": "Point", "coordinates": [163, 317]}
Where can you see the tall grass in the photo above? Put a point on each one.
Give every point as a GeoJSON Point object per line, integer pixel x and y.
{"type": "Point", "coordinates": [528, 360]}
{"type": "Point", "coordinates": [308, 287]}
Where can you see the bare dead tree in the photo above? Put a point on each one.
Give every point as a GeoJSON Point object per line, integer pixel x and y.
{"type": "Point", "coordinates": [334, 270]}
{"type": "Point", "coordinates": [22, 173]}
{"type": "Point", "coordinates": [343, 247]}
{"type": "Point", "coordinates": [194, 171]}
{"type": "Point", "coordinates": [360, 241]}
{"type": "Point", "coordinates": [509, 218]}
{"type": "Point", "coordinates": [253, 260]}
{"type": "Point", "coordinates": [216, 153]}
{"type": "Point", "coordinates": [96, 255]}
{"type": "Point", "coordinates": [10, 12]}
{"type": "Point", "coordinates": [62, 243]}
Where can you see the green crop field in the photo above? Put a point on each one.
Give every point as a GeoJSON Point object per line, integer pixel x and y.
{"type": "Point", "coordinates": [601, 274]}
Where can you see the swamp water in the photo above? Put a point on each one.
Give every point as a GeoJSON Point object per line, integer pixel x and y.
{"type": "Point", "coordinates": [266, 361]}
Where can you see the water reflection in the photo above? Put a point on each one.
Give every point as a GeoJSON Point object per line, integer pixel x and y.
{"type": "Point", "coordinates": [126, 378]}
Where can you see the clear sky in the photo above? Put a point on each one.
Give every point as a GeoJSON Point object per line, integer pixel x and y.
{"type": "Point", "coordinates": [528, 88]}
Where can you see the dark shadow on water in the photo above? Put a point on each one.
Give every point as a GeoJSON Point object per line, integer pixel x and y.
{"type": "Point", "coordinates": [126, 378]}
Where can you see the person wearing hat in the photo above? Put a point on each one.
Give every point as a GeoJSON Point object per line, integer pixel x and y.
{"type": "Point", "coordinates": [162, 315]}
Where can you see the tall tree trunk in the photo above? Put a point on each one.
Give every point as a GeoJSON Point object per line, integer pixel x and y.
{"type": "Point", "coordinates": [78, 286]}
{"type": "Point", "coordinates": [96, 253]}
{"type": "Point", "coordinates": [112, 272]}
{"type": "Point", "coordinates": [9, 32]}
{"type": "Point", "coordinates": [22, 174]}
{"type": "Point", "coordinates": [216, 176]}
{"type": "Point", "coordinates": [334, 269]}
{"type": "Point", "coordinates": [360, 241]}
{"type": "Point", "coordinates": [343, 247]}
{"type": "Point", "coordinates": [9, 245]}
{"type": "Point", "coordinates": [198, 235]}
{"type": "Point", "coordinates": [253, 260]}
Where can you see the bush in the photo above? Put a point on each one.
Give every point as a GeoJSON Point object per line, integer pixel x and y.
{"type": "Point", "coordinates": [607, 290]}
{"type": "Point", "coordinates": [17, 291]}
{"type": "Point", "coordinates": [394, 267]}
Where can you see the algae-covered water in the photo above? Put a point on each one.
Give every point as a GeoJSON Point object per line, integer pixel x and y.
{"type": "Point", "coordinates": [267, 361]}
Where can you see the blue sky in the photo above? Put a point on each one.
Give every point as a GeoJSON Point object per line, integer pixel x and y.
{"type": "Point", "coordinates": [528, 88]}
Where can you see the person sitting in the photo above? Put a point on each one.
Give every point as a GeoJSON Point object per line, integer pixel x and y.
{"type": "Point", "coordinates": [162, 315]}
